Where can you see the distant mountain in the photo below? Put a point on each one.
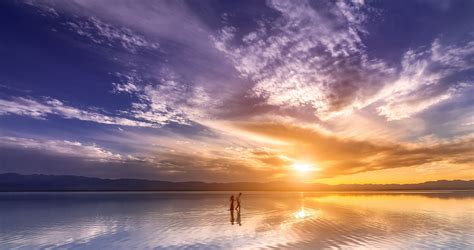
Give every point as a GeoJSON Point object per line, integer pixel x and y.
{"type": "Point", "coordinates": [17, 182]}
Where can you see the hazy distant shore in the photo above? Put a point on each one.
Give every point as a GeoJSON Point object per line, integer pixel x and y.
{"type": "Point", "coordinates": [15, 182]}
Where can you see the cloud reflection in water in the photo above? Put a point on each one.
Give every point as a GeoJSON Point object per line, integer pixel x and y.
{"type": "Point", "coordinates": [282, 220]}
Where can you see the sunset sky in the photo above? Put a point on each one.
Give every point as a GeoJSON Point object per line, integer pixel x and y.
{"type": "Point", "coordinates": [221, 91]}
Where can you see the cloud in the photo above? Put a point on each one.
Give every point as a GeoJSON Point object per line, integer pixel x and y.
{"type": "Point", "coordinates": [140, 26]}
{"type": "Point", "coordinates": [407, 106]}
{"type": "Point", "coordinates": [304, 56]}
{"type": "Point", "coordinates": [108, 35]}
{"type": "Point", "coordinates": [427, 77]}
{"type": "Point", "coordinates": [93, 28]}
{"type": "Point", "coordinates": [315, 56]}
{"type": "Point", "coordinates": [41, 108]}
{"type": "Point", "coordinates": [73, 157]}
{"type": "Point", "coordinates": [296, 78]}
{"type": "Point", "coordinates": [64, 148]}
{"type": "Point", "coordinates": [344, 156]}
{"type": "Point", "coordinates": [180, 79]}
{"type": "Point", "coordinates": [165, 100]}
{"type": "Point", "coordinates": [308, 56]}
{"type": "Point", "coordinates": [185, 166]}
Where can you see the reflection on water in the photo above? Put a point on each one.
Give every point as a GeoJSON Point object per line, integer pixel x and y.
{"type": "Point", "coordinates": [233, 219]}
{"type": "Point", "coordinates": [201, 219]}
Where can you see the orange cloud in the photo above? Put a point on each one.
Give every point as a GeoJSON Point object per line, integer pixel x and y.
{"type": "Point", "coordinates": [344, 156]}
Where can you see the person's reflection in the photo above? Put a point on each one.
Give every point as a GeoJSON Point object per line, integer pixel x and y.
{"type": "Point", "coordinates": [236, 208]}
{"type": "Point", "coordinates": [232, 217]}
{"type": "Point", "coordinates": [231, 209]}
{"type": "Point", "coordinates": [238, 218]}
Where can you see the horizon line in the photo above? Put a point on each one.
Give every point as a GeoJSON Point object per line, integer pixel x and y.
{"type": "Point", "coordinates": [237, 182]}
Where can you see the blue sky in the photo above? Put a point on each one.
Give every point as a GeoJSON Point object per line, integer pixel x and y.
{"type": "Point", "coordinates": [361, 91]}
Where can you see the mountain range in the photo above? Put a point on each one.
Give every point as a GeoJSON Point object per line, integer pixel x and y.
{"type": "Point", "coordinates": [39, 182]}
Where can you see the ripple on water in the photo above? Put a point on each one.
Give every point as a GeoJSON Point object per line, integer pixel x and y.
{"type": "Point", "coordinates": [268, 221]}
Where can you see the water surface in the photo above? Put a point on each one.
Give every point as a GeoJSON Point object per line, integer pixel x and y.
{"type": "Point", "coordinates": [267, 220]}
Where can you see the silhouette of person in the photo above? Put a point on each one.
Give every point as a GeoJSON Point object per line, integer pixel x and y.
{"type": "Point", "coordinates": [232, 200]}
{"type": "Point", "coordinates": [238, 202]}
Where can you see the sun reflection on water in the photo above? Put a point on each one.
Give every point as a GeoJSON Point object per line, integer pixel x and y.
{"type": "Point", "coordinates": [305, 213]}
{"type": "Point", "coordinates": [301, 214]}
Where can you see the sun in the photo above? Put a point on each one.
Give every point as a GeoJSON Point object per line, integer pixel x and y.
{"type": "Point", "coordinates": [304, 167]}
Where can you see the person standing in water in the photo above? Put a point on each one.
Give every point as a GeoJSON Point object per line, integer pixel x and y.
{"type": "Point", "coordinates": [232, 209]}
{"type": "Point", "coordinates": [238, 202]}
{"type": "Point", "coordinates": [232, 200]}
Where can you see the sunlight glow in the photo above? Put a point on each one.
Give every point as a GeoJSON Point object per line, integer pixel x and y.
{"type": "Point", "coordinates": [301, 214]}
{"type": "Point", "coordinates": [304, 167]}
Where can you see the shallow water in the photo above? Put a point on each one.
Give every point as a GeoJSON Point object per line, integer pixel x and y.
{"type": "Point", "coordinates": [268, 220]}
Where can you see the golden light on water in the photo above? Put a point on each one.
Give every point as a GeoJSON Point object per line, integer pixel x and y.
{"type": "Point", "coordinates": [301, 214]}
{"type": "Point", "coordinates": [305, 213]}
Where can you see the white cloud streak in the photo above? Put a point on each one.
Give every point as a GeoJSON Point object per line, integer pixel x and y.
{"type": "Point", "coordinates": [67, 148]}
{"type": "Point", "coordinates": [106, 34]}
{"type": "Point", "coordinates": [40, 109]}
{"type": "Point", "coordinates": [96, 30]}
{"type": "Point", "coordinates": [422, 81]}
{"type": "Point", "coordinates": [167, 101]}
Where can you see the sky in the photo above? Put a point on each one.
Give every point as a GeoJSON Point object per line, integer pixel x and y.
{"type": "Point", "coordinates": [229, 91]}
